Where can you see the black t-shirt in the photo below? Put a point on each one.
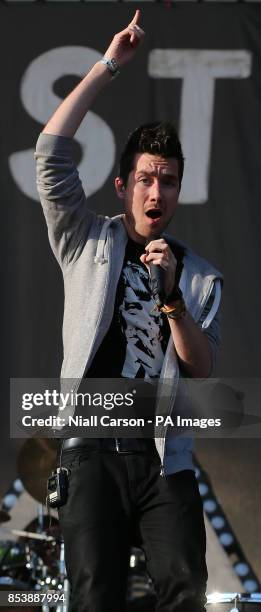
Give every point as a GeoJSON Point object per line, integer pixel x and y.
{"type": "Point", "coordinates": [136, 341]}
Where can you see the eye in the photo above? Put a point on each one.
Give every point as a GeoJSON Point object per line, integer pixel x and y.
{"type": "Point", "coordinates": [145, 180]}
{"type": "Point", "coordinates": [169, 182]}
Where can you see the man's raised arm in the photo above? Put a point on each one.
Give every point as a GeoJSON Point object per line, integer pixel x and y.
{"type": "Point", "coordinates": [69, 115]}
{"type": "Point", "coordinates": [62, 196]}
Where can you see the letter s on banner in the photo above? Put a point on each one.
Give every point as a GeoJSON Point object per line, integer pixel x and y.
{"type": "Point", "coordinates": [94, 135]}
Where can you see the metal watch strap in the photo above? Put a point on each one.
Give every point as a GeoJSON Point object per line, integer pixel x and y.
{"type": "Point", "coordinates": [112, 66]}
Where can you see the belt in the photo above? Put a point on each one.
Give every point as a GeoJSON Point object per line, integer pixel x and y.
{"type": "Point", "coordinates": [116, 445]}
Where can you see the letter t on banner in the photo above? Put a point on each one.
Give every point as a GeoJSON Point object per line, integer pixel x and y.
{"type": "Point", "coordinates": [198, 69]}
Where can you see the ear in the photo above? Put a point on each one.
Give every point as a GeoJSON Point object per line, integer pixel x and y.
{"type": "Point", "coordinates": [119, 186]}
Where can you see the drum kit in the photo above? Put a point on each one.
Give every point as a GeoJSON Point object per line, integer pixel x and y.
{"type": "Point", "coordinates": [34, 561]}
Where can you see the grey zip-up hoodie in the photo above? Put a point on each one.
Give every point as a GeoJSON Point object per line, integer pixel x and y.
{"type": "Point", "coordinates": [90, 250]}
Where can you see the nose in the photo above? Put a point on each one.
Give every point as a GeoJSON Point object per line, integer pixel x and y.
{"type": "Point", "coordinates": [155, 191]}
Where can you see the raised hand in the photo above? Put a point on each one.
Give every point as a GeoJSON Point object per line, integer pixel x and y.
{"type": "Point", "coordinates": [124, 44]}
{"type": "Point", "coordinates": [67, 118]}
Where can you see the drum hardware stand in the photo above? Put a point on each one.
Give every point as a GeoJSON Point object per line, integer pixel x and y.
{"type": "Point", "coordinates": [235, 609]}
{"type": "Point", "coordinates": [40, 513]}
{"type": "Point", "coordinates": [45, 607]}
{"type": "Point", "coordinates": [64, 607]}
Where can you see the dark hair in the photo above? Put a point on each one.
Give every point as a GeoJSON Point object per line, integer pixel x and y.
{"type": "Point", "coordinates": [158, 138]}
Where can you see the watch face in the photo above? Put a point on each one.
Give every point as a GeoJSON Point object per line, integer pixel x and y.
{"type": "Point", "coordinates": [113, 65]}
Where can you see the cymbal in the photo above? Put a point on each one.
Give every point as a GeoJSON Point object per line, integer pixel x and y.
{"type": "Point", "coordinates": [36, 460]}
{"type": "Point", "coordinates": [51, 531]}
{"type": "Point", "coordinates": [4, 516]}
{"type": "Point", "coordinates": [31, 535]}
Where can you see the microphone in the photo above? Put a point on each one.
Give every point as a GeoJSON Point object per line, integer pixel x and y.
{"type": "Point", "coordinates": [157, 281]}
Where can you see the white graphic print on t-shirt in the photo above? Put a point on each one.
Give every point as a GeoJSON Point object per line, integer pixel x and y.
{"type": "Point", "coordinates": [142, 325]}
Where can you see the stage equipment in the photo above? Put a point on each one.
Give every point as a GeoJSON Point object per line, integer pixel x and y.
{"type": "Point", "coordinates": [36, 460]}
{"type": "Point", "coordinates": [234, 602]}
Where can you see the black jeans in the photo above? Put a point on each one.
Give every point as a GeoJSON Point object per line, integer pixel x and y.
{"type": "Point", "coordinates": [116, 501]}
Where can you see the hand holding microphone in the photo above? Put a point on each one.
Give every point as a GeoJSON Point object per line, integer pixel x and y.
{"type": "Point", "coordinates": [157, 278]}
{"type": "Point", "coordinates": [162, 264]}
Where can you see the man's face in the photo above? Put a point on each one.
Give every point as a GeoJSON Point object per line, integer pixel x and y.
{"type": "Point", "coordinates": [150, 196]}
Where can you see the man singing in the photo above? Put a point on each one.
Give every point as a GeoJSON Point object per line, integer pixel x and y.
{"type": "Point", "coordinates": [125, 488]}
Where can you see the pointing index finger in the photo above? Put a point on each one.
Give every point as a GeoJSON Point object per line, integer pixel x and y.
{"type": "Point", "coordinates": [136, 18]}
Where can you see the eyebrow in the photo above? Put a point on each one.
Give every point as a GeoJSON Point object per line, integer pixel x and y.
{"type": "Point", "coordinates": [153, 173]}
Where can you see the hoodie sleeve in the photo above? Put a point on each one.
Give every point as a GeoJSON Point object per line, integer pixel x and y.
{"type": "Point", "coordinates": [62, 197]}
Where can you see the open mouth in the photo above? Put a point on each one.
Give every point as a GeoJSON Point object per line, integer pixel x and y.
{"type": "Point", "coordinates": [154, 213]}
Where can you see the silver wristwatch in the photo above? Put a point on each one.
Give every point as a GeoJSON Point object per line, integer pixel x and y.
{"type": "Point", "coordinates": [112, 66]}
